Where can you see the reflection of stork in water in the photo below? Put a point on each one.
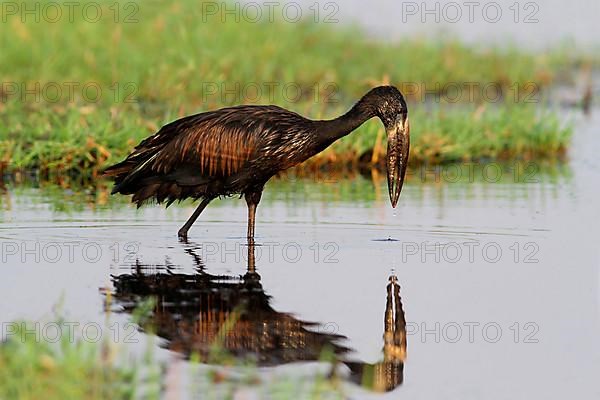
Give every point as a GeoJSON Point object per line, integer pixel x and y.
{"type": "Point", "coordinates": [194, 312]}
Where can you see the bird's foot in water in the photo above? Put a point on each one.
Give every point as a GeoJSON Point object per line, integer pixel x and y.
{"type": "Point", "coordinates": [182, 234]}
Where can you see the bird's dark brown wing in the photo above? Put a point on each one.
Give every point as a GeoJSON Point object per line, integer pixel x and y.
{"type": "Point", "coordinates": [198, 149]}
{"type": "Point", "coordinates": [217, 146]}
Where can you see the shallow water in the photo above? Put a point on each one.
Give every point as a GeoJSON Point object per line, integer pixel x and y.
{"type": "Point", "coordinates": [498, 281]}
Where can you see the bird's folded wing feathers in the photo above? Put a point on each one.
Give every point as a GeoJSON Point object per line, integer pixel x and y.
{"type": "Point", "coordinates": [217, 149]}
{"type": "Point", "coordinates": [217, 143]}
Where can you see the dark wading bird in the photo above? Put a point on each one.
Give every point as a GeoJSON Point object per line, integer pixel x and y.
{"type": "Point", "coordinates": [236, 150]}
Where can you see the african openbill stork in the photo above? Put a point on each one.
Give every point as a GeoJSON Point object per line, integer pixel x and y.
{"type": "Point", "coordinates": [236, 150]}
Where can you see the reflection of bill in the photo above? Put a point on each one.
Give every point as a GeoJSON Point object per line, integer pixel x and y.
{"type": "Point", "coordinates": [387, 374]}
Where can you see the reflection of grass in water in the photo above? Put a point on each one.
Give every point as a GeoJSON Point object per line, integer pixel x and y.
{"type": "Point", "coordinates": [68, 196]}
{"type": "Point", "coordinates": [301, 185]}
{"type": "Point", "coordinates": [170, 73]}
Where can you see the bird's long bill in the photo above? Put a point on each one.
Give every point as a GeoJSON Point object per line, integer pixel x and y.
{"type": "Point", "coordinates": [397, 157]}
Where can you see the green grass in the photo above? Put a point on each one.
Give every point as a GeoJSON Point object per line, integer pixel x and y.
{"type": "Point", "coordinates": [467, 134]}
{"type": "Point", "coordinates": [65, 141]}
{"type": "Point", "coordinates": [71, 368]}
{"type": "Point", "coordinates": [175, 61]}
{"type": "Point", "coordinates": [174, 50]}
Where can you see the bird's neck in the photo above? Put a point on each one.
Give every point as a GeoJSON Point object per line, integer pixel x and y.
{"type": "Point", "coordinates": [334, 129]}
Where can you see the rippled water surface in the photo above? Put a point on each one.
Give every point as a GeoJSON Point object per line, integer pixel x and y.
{"type": "Point", "coordinates": [498, 282]}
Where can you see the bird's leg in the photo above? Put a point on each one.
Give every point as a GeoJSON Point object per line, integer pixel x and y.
{"type": "Point", "coordinates": [186, 227]}
{"type": "Point", "coordinates": [251, 219]}
{"type": "Point", "coordinates": [252, 199]}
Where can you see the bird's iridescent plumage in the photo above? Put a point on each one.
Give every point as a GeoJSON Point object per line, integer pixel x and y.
{"type": "Point", "coordinates": [236, 150]}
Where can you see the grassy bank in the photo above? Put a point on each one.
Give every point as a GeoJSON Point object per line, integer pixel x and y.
{"type": "Point", "coordinates": [82, 142]}
{"type": "Point", "coordinates": [77, 95]}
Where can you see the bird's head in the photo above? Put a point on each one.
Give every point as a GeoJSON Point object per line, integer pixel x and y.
{"type": "Point", "coordinates": [389, 105]}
